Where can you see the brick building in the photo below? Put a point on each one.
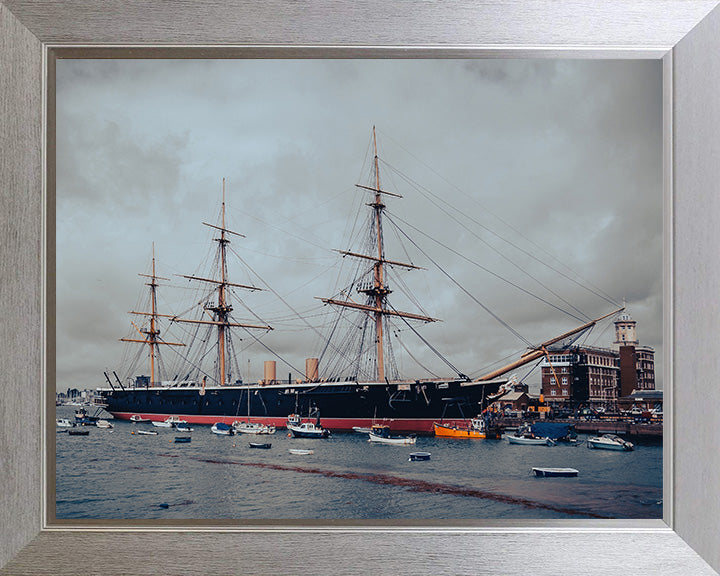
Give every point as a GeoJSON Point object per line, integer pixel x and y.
{"type": "Point", "coordinates": [581, 375]}
{"type": "Point", "coordinates": [599, 376]}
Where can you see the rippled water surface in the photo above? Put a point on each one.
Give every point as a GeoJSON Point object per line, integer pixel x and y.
{"type": "Point", "coordinates": [114, 474]}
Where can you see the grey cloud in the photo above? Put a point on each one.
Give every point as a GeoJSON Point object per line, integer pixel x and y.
{"type": "Point", "coordinates": [567, 153]}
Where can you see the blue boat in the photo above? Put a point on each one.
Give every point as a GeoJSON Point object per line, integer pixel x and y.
{"type": "Point", "coordinates": [418, 456]}
{"type": "Point", "coordinates": [554, 430]}
{"type": "Point", "coordinates": [182, 439]}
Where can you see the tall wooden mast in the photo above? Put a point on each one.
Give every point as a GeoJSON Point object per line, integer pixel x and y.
{"type": "Point", "coordinates": [151, 336]}
{"type": "Point", "coordinates": [221, 311]}
{"type": "Point", "coordinates": [379, 291]}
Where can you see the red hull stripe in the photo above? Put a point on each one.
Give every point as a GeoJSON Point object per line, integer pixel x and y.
{"type": "Point", "coordinates": [422, 425]}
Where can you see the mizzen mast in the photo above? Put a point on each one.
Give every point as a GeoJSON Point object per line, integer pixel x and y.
{"type": "Point", "coordinates": [151, 336]}
{"type": "Point", "coordinates": [220, 317]}
{"type": "Point", "coordinates": [378, 292]}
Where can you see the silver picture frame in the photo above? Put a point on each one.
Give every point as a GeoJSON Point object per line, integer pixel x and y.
{"type": "Point", "coordinates": [685, 34]}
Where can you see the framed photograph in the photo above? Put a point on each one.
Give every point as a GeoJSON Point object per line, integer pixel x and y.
{"type": "Point", "coordinates": [420, 348]}
{"type": "Point", "coordinates": [678, 42]}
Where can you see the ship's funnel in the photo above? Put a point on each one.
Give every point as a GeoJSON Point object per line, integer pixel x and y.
{"type": "Point", "coordinates": [311, 369]}
{"type": "Point", "coordinates": [269, 371]}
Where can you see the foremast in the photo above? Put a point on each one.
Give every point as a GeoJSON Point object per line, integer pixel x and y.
{"type": "Point", "coordinates": [378, 292]}
{"type": "Point", "coordinates": [220, 317]}
{"type": "Point", "coordinates": [151, 337]}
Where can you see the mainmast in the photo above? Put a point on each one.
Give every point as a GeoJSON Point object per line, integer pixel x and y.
{"type": "Point", "coordinates": [151, 336]}
{"type": "Point", "coordinates": [220, 316]}
{"type": "Point", "coordinates": [379, 291]}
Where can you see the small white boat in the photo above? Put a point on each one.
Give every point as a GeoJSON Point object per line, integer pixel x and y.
{"type": "Point", "coordinates": [555, 472]}
{"type": "Point", "coordinates": [382, 434]}
{"type": "Point", "coordinates": [144, 432]}
{"type": "Point", "coordinates": [163, 424]}
{"type": "Point", "coordinates": [252, 428]}
{"type": "Point", "coordinates": [138, 418]}
{"type": "Point", "coordinates": [169, 422]}
{"type": "Point", "coordinates": [524, 435]}
{"type": "Point", "coordinates": [65, 423]}
{"type": "Point", "coordinates": [361, 430]}
{"type": "Point", "coordinates": [222, 429]}
{"type": "Point", "coordinates": [530, 441]}
{"type": "Point", "coordinates": [308, 430]}
{"type": "Point", "coordinates": [610, 442]}
{"type": "Point", "coordinates": [183, 427]}
{"type": "Point", "coordinates": [103, 424]}
{"type": "Point", "coordinates": [300, 452]}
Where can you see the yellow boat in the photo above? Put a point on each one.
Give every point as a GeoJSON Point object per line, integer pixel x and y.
{"type": "Point", "coordinates": [471, 431]}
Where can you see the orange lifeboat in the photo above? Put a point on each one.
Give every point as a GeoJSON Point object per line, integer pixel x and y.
{"type": "Point", "coordinates": [474, 430]}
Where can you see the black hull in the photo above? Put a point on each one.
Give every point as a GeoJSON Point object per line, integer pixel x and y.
{"type": "Point", "coordinates": [408, 406]}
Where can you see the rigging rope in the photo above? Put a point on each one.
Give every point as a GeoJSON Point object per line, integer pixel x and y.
{"type": "Point", "coordinates": [596, 291]}
{"type": "Point", "coordinates": [434, 350]}
{"type": "Point", "coordinates": [483, 306]}
{"type": "Point", "coordinates": [481, 267]}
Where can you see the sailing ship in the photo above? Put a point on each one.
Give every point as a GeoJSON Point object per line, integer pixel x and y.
{"type": "Point", "coordinates": [363, 398]}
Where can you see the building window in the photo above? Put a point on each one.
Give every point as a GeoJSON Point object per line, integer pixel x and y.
{"type": "Point", "coordinates": [553, 392]}
{"type": "Point", "coordinates": [564, 392]}
{"type": "Point", "coordinates": [565, 380]}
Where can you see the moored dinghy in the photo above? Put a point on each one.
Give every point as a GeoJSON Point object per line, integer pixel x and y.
{"type": "Point", "coordinates": [306, 429]}
{"type": "Point", "coordinates": [222, 429]}
{"type": "Point", "coordinates": [300, 451]}
{"type": "Point", "coordinates": [610, 442]}
{"type": "Point", "coordinates": [138, 418]}
{"type": "Point", "coordinates": [525, 436]}
{"type": "Point", "coordinates": [260, 445]}
{"type": "Point", "coordinates": [382, 434]}
{"type": "Point", "coordinates": [252, 428]}
{"type": "Point", "coordinates": [555, 472]}
{"type": "Point", "coordinates": [419, 456]}
{"type": "Point", "coordinates": [169, 422]}
{"type": "Point", "coordinates": [476, 428]}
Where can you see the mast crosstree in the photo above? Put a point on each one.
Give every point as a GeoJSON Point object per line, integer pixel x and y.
{"type": "Point", "coordinates": [151, 335]}
{"type": "Point", "coordinates": [378, 291]}
{"type": "Point", "coordinates": [220, 317]}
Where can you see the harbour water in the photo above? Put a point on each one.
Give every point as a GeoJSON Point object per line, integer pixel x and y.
{"type": "Point", "coordinates": [115, 474]}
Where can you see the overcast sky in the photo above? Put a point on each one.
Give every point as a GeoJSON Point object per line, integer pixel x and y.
{"type": "Point", "coordinates": [502, 165]}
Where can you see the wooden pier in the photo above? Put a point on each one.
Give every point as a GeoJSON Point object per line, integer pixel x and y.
{"type": "Point", "coordinates": [621, 427]}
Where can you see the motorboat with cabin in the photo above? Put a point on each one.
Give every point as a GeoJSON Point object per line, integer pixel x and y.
{"type": "Point", "coordinates": [610, 442]}
{"type": "Point", "coordinates": [381, 433]}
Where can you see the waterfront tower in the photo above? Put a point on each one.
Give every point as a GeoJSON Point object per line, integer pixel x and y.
{"type": "Point", "coordinates": [625, 331]}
